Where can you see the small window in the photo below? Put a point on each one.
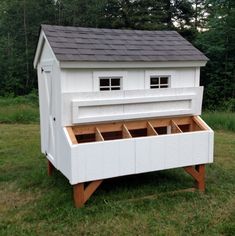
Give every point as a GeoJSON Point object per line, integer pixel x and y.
{"type": "Point", "coordinates": [110, 83]}
{"type": "Point", "coordinates": [159, 82]}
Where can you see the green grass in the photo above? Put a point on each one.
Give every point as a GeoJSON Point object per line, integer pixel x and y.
{"type": "Point", "coordinates": [220, 120]}
{"type": "Point", "coordinates": [31, 203]}
{"type": "Point", "coordinates": [21, 110]}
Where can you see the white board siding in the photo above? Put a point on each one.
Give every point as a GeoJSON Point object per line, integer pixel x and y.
{"type": "Point", "coordinates": [76, 81]}
{"type": "Point", "coordinates": [80, 80]}
{"type": "Point", "coordinates": [134, 79]}
{"type": "Point", "coordinates": [107, 159]}
{"type": "Point", "coordinates": [47, 54]}
{"type": "Point", "coordinates": [64, 153]}
{"type": "Point", "coordinates": [103, 160]}
{"type": "Point", "coordinates": [184, 77]}
{"type": "Point", "coordinates": [119, 105]}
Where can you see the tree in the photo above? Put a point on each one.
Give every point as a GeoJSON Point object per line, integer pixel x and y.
{"type": "Point", "coordinates": [218, 44]}
{"type": "Point", "coordinates": [19, 26]}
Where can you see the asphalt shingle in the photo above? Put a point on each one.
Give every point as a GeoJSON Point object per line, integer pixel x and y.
{"type": "Point", "coordinates": [93, 44]}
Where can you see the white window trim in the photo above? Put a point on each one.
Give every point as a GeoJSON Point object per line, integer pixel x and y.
{"type": "Point", "coordinates": [158, 73]}
{"type": "Point", "coordinates": [111, 74]}
{"type": "Point", "coordinates": [111, 86]}
{"type": "Point", "coordinates": [159, 82]}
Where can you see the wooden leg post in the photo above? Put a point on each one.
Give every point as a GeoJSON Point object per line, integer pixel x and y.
{"type": "Point", "coordinates": [78, 195]}
{"type": "Point", "coordinates": [50, 168]}
{"type": "Point", "coordinates": [82, 194]}
{"type": "Point", "coordinates": [198, 173]}
{"type": "Point", "coordinates": [200, 184]}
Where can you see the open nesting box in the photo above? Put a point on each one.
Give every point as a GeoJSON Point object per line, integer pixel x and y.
{"type": "Point", "coordinates": [106, 150]}
{"type": "Point", "coordinates": [134, 129]}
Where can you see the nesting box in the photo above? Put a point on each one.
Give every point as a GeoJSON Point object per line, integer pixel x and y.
{"type": "Point", "coordinates": [120, 102]}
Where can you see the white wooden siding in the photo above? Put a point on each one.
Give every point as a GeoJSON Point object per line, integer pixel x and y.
{"type": "Point", "coordinates": [78, 80]}
{"type": "Point", "coordinates": [64, 153]}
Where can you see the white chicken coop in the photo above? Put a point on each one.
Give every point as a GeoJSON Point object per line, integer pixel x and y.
{"type": "Point", "coordinates": [120, 102]}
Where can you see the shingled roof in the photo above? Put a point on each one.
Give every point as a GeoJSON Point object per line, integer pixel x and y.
{"type": "Point", "coordinates": [114, 45]}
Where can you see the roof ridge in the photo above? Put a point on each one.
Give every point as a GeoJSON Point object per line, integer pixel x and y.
{"type": "Point", "coordinates": [101, 28]}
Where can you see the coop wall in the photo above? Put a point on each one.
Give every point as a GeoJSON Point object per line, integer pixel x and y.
{"type": "Point", "coordinates": [85, 80]}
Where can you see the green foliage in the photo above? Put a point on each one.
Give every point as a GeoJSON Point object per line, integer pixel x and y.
{"type": "Point", "coordinates": [217, 42]}
{"type": "Point", "coordinates": [220, 120]}
{"type": "Point", "coordinates": [207, 23]}
{"type": "Point", "coordinates": [19, 27]}
{"type": "Point", "coordinates": [22, 109]}
{"type": "Point", "coordinates": [34, 204]}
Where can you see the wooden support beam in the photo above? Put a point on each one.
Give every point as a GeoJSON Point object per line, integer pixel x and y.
{"type": "Point", "coordinates": [50, 168]}
{"type": "Point", "coordinates": [198, 173]}
{"type": "Point", "coordinates": [90, 189]}
{"type": "Point", "coordinates": [71, 135]}
{"type": "Point", "coordinates": [150, 130]}
{"type": "Point", "coordinates": [81, 194]}
{"type": "Point", "coordinates": [125, 132]}
{"type": "Point", "coordinates": [175, 128]}
{"type": "Point", "coordinates": [98, 135]}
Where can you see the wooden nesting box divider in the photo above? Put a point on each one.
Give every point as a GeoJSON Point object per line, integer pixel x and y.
{"type": "Point", "coordinates": [133, 129]}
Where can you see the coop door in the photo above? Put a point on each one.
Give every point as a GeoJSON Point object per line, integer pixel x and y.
{"type": "Point", "coordinates": [49, 114]}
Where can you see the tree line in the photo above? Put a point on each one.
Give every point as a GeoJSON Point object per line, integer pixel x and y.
{"type": "Point", "coordinates": [208, 24]}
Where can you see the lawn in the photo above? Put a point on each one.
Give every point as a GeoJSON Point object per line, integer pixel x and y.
{"type": "Point", "coordinates": [32, 203]}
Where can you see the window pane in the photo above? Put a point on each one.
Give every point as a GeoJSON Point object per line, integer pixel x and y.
{"type": "Point", "coordinates": [163, 86]}
{"type": "Point", "coordinates": [104, 82]}
{"type": "Point", "coordinates": [115, 82]}
{"type": "Point", "coordinates": [104, 89]}
{"type": "Point", "coordinates": [115, 88]}
{"type": "Point", "coordinates": [164, 80]}
{"type": "Point", "coordinates": [154, 80]}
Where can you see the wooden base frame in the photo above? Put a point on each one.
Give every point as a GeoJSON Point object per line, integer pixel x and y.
{"type": "Point", "coordinates": [82, 194]}
{"type": "Point", "coordinates": [198, 173]}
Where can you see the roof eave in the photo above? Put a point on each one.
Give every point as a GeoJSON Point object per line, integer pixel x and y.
{"type": "Point", "coordinates": [131, 64]}
{"type": "Point", "coordinates": [41, 40]}
{"type": "Point", "coordinates": [38, 52]}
